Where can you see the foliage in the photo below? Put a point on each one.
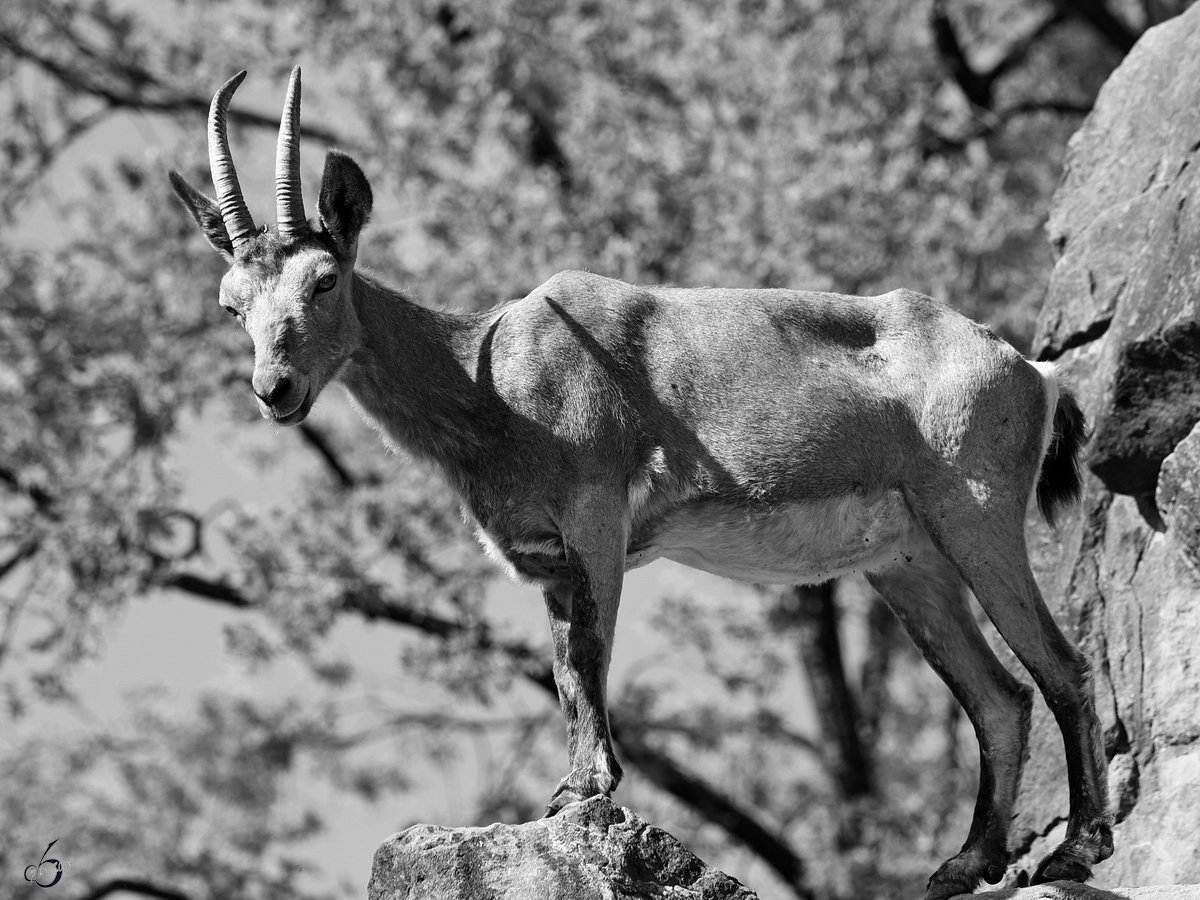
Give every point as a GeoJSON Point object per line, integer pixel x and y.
{"type": "Point", "coordinates": [853, 146]}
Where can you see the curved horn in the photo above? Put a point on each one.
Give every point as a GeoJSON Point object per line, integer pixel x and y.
{"type": "Point", "coordinates": [289, 200]}
{"type": "Point", "coordinates": [229, 193]}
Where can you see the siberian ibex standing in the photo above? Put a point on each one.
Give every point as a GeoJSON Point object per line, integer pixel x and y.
{"type": "Point", "coordinates": [765, 435]}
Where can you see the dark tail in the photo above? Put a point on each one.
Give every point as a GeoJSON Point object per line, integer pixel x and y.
{"type": "Point", "coordinates": [1061, 481]}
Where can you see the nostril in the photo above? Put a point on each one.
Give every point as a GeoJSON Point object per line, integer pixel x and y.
{"type": "Point", "coordinates": [277, 392]}
{"type": "Point", "coordinates": [283, 387]}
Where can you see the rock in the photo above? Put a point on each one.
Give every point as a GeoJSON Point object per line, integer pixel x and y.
{"type": "Point", "coordinates": [591, 849]}
{"type": "Point", "coordinates": [1179, 494]}
{"type": "Point", "coordinates": [1123, 318]}
{"type": "Point", "coordinates": [1066, 890]}
{"type": "Point", "coordinates": [1126, 221]}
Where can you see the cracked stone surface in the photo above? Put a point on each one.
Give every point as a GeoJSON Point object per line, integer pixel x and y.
{"type": "Point", "coordinates": [1064, 890]}
{"type": "Point", "coordinates": [591, 849]}
{"type": "Point", "coordinates": [1126, 225]}
{"type": "Point", "coordinates": [1123, 318]}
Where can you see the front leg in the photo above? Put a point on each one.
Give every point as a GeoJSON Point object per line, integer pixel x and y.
{"type": "Point", "coordinates": [583, 618]}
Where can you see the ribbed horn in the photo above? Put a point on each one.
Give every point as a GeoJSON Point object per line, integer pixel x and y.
{"type": "Point", "coordinates": [229, 193]}
{"type": "Point", "coordinates": [289, 200]}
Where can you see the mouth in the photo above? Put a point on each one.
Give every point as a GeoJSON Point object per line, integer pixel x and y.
{"type": "Point", "coordinates": [297, 415]}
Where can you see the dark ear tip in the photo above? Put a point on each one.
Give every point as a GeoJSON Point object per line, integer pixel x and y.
{"type": "Point", "coordinates": [340, 166]}
{"type": "Point", "coordinates": [339, 159]}
{"type": "Point", "coordinates": [183, 190]}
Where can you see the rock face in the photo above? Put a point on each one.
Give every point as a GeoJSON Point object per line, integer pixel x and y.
{"type": "Point", "coordinates": [1063, 890]}
{"type": "Point", "coordinates": [1126, 220]}
{"type": "Point", "coordinates": [591, 850]}
{"type": "Point", "coordinates": [1123, 318]}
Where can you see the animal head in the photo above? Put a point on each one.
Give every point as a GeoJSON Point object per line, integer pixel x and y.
{"type": "Point", "coordinates": [289, 284]}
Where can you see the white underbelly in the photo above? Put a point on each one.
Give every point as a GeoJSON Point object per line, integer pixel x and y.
{"type": "Point", "coordinates": [800, 543]}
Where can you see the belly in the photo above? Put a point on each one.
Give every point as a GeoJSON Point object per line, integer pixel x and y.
{"type": "Point", "coordinates": [801, 543]}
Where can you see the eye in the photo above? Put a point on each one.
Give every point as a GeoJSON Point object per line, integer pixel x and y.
{"type": "Point", "coordinates": [229, 309]}
{"type": "Point", "coordinates": [326, 282]}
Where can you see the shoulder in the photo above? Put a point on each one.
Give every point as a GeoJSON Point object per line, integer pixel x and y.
{"type": "Point", "coordinates": [576, 310]}
{"type": "Point", "coordinates": [575, 282]}
{"type": "Point", "coordinates": [567, 339]}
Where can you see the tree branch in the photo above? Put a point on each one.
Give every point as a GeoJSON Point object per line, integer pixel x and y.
{"type": "Point", "coordinates": [133, 886]}
{"type": "Point", "coordinates": [371, 606]}
{"type": "Point", "coordinates": [811, 612]}
{"type": "Point", "coordinates": [316, 439]}
{"type": "Point", "coordinates": [881, 633]}
{"type": "Point", "coordinates": [1064, 107]}
{"type": "Point", "coordinates": [41, 499]}
{"type": "Point", "coordinates": [1019, 49]}
{"type": "Point", "coordinates": [1105, 22]}
{"type": "Point", "coordinates": [979, 85]}
{"type": "Point", "coordinates": [975, 85]}
{"type": "Point", "coordinates": [22, 553]}
{"type": "Point", "coordinates": [171, 102]}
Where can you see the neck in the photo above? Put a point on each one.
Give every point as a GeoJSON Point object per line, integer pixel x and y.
{"type": "Point", "coordinates": [411, 376]}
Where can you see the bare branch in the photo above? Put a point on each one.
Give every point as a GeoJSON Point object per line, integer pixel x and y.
{"type": "Point", "coordinates": [20, 185]}
{"type": "Point", "coordinates": [1019, 49]}
{"type": "Point", "coordinates": [370, 605]}
{"type": "Point", "coordinates": [680, 726]}
{"type": "Point", "coordinates": [169, 102]}
{"type": "Point", "coordinates": [133, 886]}
{"type": "Point", "coordinates": [22, 553]}
{"type": "Point", "coordinates": [881, 643]}
{"type": "Point", "coordinates": [41, 499]}
{"type": "Point", "coordinates": [979, 85]}
{"type": "Point", "coordinates": [976, 86]}
{"type": "Point", "coordinates": [316, 439]}
{"type": "Point", "coordinates": [1063, 107]}
{"type": "Point", "coordinates": [812, 614]}
{"type": "Point", "coordinates": [1103, 20]}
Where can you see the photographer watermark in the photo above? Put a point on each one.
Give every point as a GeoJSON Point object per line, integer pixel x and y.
{"type": "Point", "coordinates": [47, 872]}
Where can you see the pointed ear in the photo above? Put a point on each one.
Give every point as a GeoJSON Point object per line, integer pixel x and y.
{"type": "Point", "coordinates": [206, 213]}
{"type": "Point", "coordinates": [345, 202]}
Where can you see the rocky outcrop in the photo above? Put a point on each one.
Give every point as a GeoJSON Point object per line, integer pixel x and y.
{"type": "Point", "coordinates": [1063, 890]}
{"type": "Point", "coordinates": [1126, 221]}
{"type": "Point", "coordinates": [591, 849]}
{"type": "Point", "coordinates": [1123, 318]}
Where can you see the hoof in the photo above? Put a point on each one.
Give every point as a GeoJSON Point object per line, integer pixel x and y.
{"type": "Point", "coordinates": [961, 874]}
{"type": "Point", "coordinates": [1073, 859]}
{"type": "Point", "coordinates": [1055, 868]}
{"type": "Point", "coordinates": [562, 797]}
{"type": "Point", "coordinates": [575, 787]}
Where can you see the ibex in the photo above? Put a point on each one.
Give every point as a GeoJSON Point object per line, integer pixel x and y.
{"type": "Point", "coordinates": [770, 436]}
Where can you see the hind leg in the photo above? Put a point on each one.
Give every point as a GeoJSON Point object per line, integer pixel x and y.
{"type": "Point", "coordinates": [927, 596]}
{"type": "Point", "coordinates": [987, 545]}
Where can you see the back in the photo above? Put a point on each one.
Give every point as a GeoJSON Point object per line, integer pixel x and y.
{"type": "Point", "coordinates": [768, 394]}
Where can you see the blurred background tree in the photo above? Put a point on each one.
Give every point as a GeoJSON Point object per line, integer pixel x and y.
{"type": "Point", "coordinates": [791, 738]}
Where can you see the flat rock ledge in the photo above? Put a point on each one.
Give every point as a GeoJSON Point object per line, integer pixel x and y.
{"type": "Point", "coordinates": [591, 849]}
{"type": "Point", "coordinates": [1066, 890]}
